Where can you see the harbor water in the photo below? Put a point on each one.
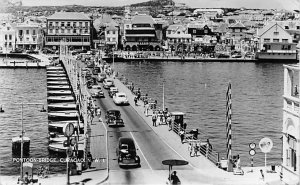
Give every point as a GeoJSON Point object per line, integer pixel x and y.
{"type": "Point", "coordinates": [198, 89]}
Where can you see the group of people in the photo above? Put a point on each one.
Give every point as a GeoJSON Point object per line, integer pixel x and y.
{"type": "Point", "coordinates": [162, 117]}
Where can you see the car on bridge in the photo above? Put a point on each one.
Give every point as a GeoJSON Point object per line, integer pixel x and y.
{"type": "Point", "coordinates": [113, 118]}
{"type": "Point", "coordinates": [107, 83]}
{"type": "Point", "coordinates": [120, 98]}
{"type": "Point", "coordinates": [99, 94]}
{"type": "Point", "coordinates": [126, 153]}
{"type": "Point", "coordinates": [112, 91]}
{"type": "Point", "coordinates": [101, 77]}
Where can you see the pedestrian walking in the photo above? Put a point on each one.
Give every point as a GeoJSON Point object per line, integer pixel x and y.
{"type": "Point", "coordinates": [135, 100]}
{"type": "Point", "coordinates": [90, 159]}
{"type": "Point", "coordinates": [190, 149]}
{"type": "Point", "coordinates": [181, 133]}
{"type": "Point", "coordinates": [146, 109]}
{"type": "Point", "coordinates": [98, 112]}
{"type": "Point", "coordinates": [154, 118]}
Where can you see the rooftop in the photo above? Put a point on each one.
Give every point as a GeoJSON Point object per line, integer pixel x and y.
{"type": "Point", "coordinates": [143, 19]}
{"type": "Point", "coordinates": [68, 16]}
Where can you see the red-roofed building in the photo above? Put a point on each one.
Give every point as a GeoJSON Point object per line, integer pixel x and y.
{"type": "Point", "coordinates": [72, 27]}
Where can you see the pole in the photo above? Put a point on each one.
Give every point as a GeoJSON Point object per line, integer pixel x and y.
{"type": "Point", "coordinates": [68, 175]}
{"type": "Point", "coordinates": [113, 58]}
{"type": "Point", "coordinates": [22, 142]}
{"type": "Point", "coordinates": [266, 162]}
{"type": "Point", "coordinates": [163, 96]}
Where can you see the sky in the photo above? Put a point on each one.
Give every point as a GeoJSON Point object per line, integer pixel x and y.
{"type": "Point", "coordinates": [265, 4]}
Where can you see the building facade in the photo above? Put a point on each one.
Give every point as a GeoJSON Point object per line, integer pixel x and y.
{"type": "Point", "coordinates": [29, 36]}
{"type": "Point", "coordinates": [291, 126]}
{"type": "Point", "coordinates": [112, 36]}
{"type": "Point", "coordinates": [178, 38]}
{"type": "Point", "coordinates": [7, 38]}
{"type": "Point", "coordinates": [142, 34]}
{"type": "Point", "coordinates": [71, 27]}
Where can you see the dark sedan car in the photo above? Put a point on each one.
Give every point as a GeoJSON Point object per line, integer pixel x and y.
{"type": "Point", "coordinates": [126, 152]}
{"type": "Point", "coordinates": [113, 118]}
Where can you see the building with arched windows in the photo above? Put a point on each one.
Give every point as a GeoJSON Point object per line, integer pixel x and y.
{"type": "Point", "coordinates": [291, 125]}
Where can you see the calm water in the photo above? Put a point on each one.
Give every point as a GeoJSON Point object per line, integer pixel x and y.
{"type": "Point", "coordinates": [199, 90]}
{"type": "Point", "coordinates": [29, 86]}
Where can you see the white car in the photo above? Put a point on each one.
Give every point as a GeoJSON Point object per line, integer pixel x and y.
{"type": "Point", "coordinates": [120, 98]}
{"type": "Point", "coordinates": [107, 83]}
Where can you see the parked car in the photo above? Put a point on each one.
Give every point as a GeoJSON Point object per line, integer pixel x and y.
{"type": "Point", "coordinates": [32, 52]}
{"type": "Point", "coordinates": [126, 153]}
{"type": "Point", "coordinates": [120, 98]}
{"type": "Point", "coordinates": [99, 94]}
{"type": "Point", "coordinates": [236, 55]}
{"type": "Point", "coordinates": [113, 118]}
{"type": "Point", "coordinates": [223, 55]}
{"type": "Point", "coordinates": [101, 77]}
{"type": "Point", "coordinates": [107, 83]}
{"type": "Point", "coordinates": [48, 51]}
{"type": "Point", "coordinates": [112, 91]}
{"type": "Point", "coordinates": [17, 50]}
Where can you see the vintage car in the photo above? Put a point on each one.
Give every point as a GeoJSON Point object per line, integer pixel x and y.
{"type": "Point", "coordinates": [112, 91]}
{"type": "Point", "coordinates": [107, 83]}
{"type": "Point", "coordinates": [101, 77]}
{"type": "Point", "coordinates": [126, 153]}
{"type": "Point", "coordinates": [120, 98]}
{"type": "Point", "coordinates": [99, 94]}
{"type": "Point", "coordinates": [113, 118]}
{"type": "Point", "coordinates": [97, 86]}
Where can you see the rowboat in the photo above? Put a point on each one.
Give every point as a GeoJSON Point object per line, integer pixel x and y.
{"type": "Point", "coordinates": [61, 99]}
{"type": "Point", "coordinates": [62, 106]}
{"type": "Point", "coordinates": [57, 83]}
{"type": "Point", "coordinates": [59, 92]}
{"type": "Point", "coordinates": [57, 126]}
{"type": "Point", "coordinates": [60, 87]}
{"type": "Point", "coordinates": [56, 75]}
{"type": "Point", "coordinates": [57, 79]}
{"type": "Point", "coordinates": [63, 115]}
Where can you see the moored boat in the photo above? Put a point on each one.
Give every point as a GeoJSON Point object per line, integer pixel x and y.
{"type": "Point", "coordinates": [57, 126]}
{"type": "Point", "coordinates": [63, 115]}
{"type": "Point", "coordinates": [61, 99]}
{"type": "Point", "coordinates": [62, 106]}
{"type": "Point", "coordinates": [56, 75]}
{"type": "Point", "coordinates": [58, 83]}
{"type": "Point", "coordinates": [54, 68]}
{"type": "Point", "coordinates": [60, 87]}
{"type": "Point", "coordinates": [59, 92]}
{"type": "Point", "coordinates": [62, 139]}
{"type": "Point", "coordinates": [59, 148]}
{"type": "Point", "coordinates": [56, 72]}
{"type": "Point", "coordinates": [57, 79]}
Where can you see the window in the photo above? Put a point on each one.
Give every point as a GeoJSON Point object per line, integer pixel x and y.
{"type": "Point", "coordinates": [86, 31]}
{"type": "Point", "coordinates": [33, 32]}
{"type": "Point", "coordinates": [56, 23]}
{"type": "Point", "coordinates": [50, 24]}
{"type": "Point", "coordinates": [20, 32]}
{"type": "Point", "coordinates": [127, 26]}
{"type": "Point", "coordinates": [266, 40]}
{"type": "Point", "coordinates": [56, 30]}
{"type": "Point", "coordinates": [68, 24]}
{"type": "Point", "coordinates": [276, 33]}
{"type": "Point", "coordinates": [114, 39]}
{"type": "Point", "coordinates": [9, 44]}
{"type": "Point", "coordinates": [275, 40]}
{"type": "Point", "coordinates": [206, 31]}
{"type": "Point", "coordinates": [62, 31]}
{"type": "Point", "coordinates": [33, 39]}
{"type": "Point", "coordinates": [113, 32]}
{"type": "Point", "coordinates": [298, 27]}
{"type": "Point", "coordinates": [51, 31]}
{"type": "Point", "coordinates": [194, 31]}
{"type": "Point", "coordinates": [86, 24]}
{"type": "Point", "coordinates": [108, 39]}
{"type": "Point", "coordinates": [80, 24]}
{"type": "Point", "coordinates": [62, 24]}
{"type": "Point", "coordinates": [291, 153]}
{"type": "Point", "coordinates": [169, 31]}
{"type": "Point", "coordinates": [286, 27]}
{"type": "Point", "coordinates": [21, 39]}
{"type": "Point", "coordinates": [8, 28]}
{"type": "Point", "coordinates": [107, 32]}
{"type": "Point", "coordinates": [74, 24]}
{"type": "Point", "coordinates": [68, 30]}
{"type": "Point", "coordinates": [74, 30]}
{"type": "Point", "coordinates": [10, 37]}
{"type": "Point", "coordinates": [5, 37]}
{"type": "Point", "coordinates": [27, 32]}
{"type": "Point", "coordinates": [285, 40]}
{"type": "Point", "coordinates": [80, 31]}
{"type": "Point", "coordinates": [27, 39]}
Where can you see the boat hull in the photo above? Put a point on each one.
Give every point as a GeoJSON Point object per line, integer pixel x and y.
{"type": "Point", "coordinates": [63, 115]}
{"type": "Point", "coordinates": [58, 87]}
{"type": "Point", "coordinates": [62, 106]}
{"type": "Point", "coordinates": [60, 99]}
{"type": "Point", "coordinates": [59, 92]}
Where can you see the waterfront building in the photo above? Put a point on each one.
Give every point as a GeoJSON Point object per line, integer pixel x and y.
{"type": "Point", "coordinates": [112, 35]}
{"type": "Point", "coordinates": [238, 30]}
{"type": "Point", "coordinates": [72, 27]}
{"type": "Point", "coordinates": [209, 12]}
{"type": "Point", "coordinates": [178, 38]}
{"type": "Point", "coordinates": [291, 126]}
{"type": "Point", "coordinates": [142, 33]}
{"type": "Point", "coordinates": [275, 43]}
{"type": "Point", "coordinates": [29, 36]}
{"type": "Point", "coordinates": [7, 37]}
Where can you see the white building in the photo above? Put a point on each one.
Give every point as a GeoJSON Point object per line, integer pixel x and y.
{"type": "Point", "coordinates": [291, 126]}
{"type": "Point", "coordinates": [7, 37]}
{"type": "Point", "coordinates": [112, 35]}
{"type": "Point", "coordinates": [29, 36]}
{"type": "Point", "coordinates": [72, 27]}
{"type": "Point", "coordinates": [178, 38]}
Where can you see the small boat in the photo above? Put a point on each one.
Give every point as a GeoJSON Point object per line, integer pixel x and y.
{"type": "Point", "coordinates": [56, 72]}
{"type": "Point", "coordinates": [56, 75]}
{"type": "Point", "coordinates": [54, 68]}
{"type": "Point", "coordinates": [57, 126]}
{"type": "Point", "coordinates": [62, 139]}
{"type": "Point", "coordinates": [16, 145]}
{"type": "Point", "coordinates": [61, 99]}
{"type": "Point", "coordinates": [59, 148]}
{"type": "Point", "coordinates": [63, 115]}
{"type": "Point", "coordinates": [62, 106]}
{"type": "Point", "coordinates": [59, 92]}
{"type": "Point", "coordinates": [60, 87]}
{"type": "Point", "coordinates": [58, 83]}
{"type": "Point", "coordinates": [57, 79]}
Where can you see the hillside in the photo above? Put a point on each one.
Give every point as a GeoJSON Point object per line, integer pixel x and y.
{"type": "Point", "coordinates": [154, 3]}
